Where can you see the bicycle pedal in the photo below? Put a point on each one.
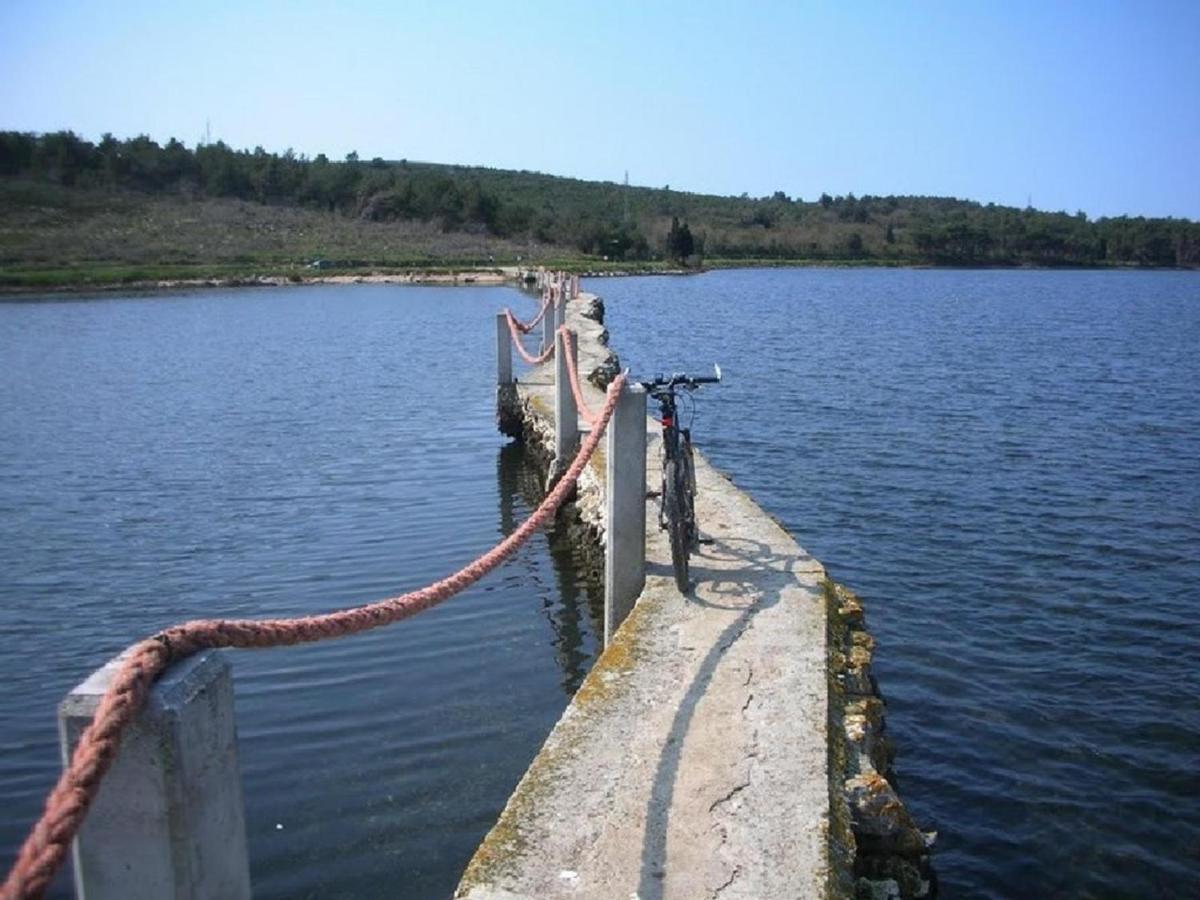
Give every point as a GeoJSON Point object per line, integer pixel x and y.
{"type": "Point", "coordinates": [706, 540]}
{"type": "Point", "coordinates": [650, 495]}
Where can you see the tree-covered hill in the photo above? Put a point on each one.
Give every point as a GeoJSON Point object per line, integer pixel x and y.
{"type": "Point", "coordinates": [55, 187]}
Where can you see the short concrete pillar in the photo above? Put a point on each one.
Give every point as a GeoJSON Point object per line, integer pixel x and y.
{"type": "Point", "coordinates": [548, 321]}
{"type": "Point", "coordinates": [168, 820]}
{"type": "Point", "coordinates": [503, 351]}
{"type": "Point", "coordinates": [624, 508]}
{"type": "Point", "coordinates": [566, 414]}
{"type": "Point", "coordinates": [560, 312]}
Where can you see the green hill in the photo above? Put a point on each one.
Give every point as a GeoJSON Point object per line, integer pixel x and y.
{"type": "Point", "coordinates": [71, 211]}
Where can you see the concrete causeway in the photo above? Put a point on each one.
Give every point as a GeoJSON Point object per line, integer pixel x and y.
{"type": "Point", "coordinates": [695, 759]}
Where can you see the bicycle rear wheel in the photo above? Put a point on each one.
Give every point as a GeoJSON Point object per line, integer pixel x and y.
{"type": "Point", "coordinates": [675, 504]}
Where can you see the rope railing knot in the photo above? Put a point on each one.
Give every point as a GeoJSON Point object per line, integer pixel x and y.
{"type": "Point", "coordinates": [513, 328]}
{"type": "Point", "coordinates": [164, 639]}
{"type": "Point", "coordinates": [526, 327]}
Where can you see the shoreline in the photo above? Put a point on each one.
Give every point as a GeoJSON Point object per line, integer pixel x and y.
{"type": "Point", "coordinates": [452, 279]}
{"type": "Point", "coordinates": [509, 274]}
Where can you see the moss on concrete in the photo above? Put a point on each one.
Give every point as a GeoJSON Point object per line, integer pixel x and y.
{"type": "Point", "coordinates": [505, 844]}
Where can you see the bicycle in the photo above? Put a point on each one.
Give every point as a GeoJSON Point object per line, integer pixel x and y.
{"type": "Point", "coordinates": [677, 500]}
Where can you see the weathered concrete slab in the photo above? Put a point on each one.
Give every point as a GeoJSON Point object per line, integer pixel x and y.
{"type": "Point", "coordinates": [693, 762]}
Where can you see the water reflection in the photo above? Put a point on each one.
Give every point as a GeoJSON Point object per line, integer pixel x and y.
{"type": "Point", "coordinates": [298, 465]}
{"type": "Point", "coordinates": [575, 611]}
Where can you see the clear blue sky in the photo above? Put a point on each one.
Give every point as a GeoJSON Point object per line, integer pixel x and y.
{"type": "Point", "coordinates": [1078, 105]}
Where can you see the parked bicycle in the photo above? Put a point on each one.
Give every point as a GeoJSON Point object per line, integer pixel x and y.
{"type": "Point", "coordinates": [677, 501]}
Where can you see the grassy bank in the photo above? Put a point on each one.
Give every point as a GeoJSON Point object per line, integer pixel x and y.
{"type": "Point", "coordinates": [99, 227]}
{"type": "Point", "coordinates": [53, 237]}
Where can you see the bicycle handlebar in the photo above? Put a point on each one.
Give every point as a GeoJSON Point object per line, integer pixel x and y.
{"type": "Point", "coordinates": [685, 381]}
{"type": "Point", "coordinates": [679, 379]}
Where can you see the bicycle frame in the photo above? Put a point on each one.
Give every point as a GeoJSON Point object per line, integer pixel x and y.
{"type": "Point", "coordinates": [667, 410]}
{"type": "Point", "coordinates": [676, 508]}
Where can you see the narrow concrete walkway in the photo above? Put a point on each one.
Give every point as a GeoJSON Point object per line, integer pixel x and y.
{"type": "Point", "coordinates": [693, 761]}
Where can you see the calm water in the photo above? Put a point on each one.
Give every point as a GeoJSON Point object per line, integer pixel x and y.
{"type": "Point", "coordinates": [1007, 466]}
{"type": "Point", "coordinates": [278, 452]}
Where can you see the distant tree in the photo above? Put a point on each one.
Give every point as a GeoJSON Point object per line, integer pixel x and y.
{"type": "Point", "coordinates": [63, 157]}
{"type": "Point", "coordinates": [890, 237]}
{"type": "Point", "coordinates": [269, 183]}
{"type": "Point", "coordinates": [177, 163]}
{"type": "Point", "coordinates": [680, 243]}
{"type": "Point", "coordinates": [687, 244]}
{"type": "Point", "coordinates": [762, 217]}
{"type": "Point", "coordinates": [826, 200]}
{"type": "Point", "coordinates": [16, 152]}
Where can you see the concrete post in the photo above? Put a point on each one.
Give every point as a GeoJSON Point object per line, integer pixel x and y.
{"type": "Point", "coordinates": [560, 312]}
{"type": "Point", "coordinates": [168, 820]}
{"type": "Point", "coordinates": [624, 508]}
{"type": "Point", "coordinates": [503, 351]}
{"type": "Point", "coordinates": [548, 321]}
{"type": "Point", "coordinates": [566, 414]}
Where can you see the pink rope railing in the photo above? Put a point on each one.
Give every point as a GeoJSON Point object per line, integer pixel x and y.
{"type": "Point", "coordinates": [581, 404]}
{"type": "Point", "coordinates": [50, 838]}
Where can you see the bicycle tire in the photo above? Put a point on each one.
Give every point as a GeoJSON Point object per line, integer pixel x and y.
{"type": "Point", "coordinates": [674, 490]}
{"type": "Point", "coordinates": [689, 493]}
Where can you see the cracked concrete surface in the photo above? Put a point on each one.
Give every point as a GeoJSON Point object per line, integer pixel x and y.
{"type": "Point", "coordinates": [693, 760]}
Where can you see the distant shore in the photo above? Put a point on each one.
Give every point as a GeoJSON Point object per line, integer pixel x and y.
{"type": "Point", "coordinates": [448, 276]}
{"type": "Point", "coordinates": [432, 277]}
{"type": "Point", "coordinates": [33, 282]}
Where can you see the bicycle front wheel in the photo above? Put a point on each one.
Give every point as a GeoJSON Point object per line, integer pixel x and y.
{"type": "Point", "coordinates": [675, 505]}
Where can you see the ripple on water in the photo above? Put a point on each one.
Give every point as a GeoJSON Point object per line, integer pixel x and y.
{"type": "Point", "coordinates": [273, 453]}
{"type": "Point", "coordinates": [1004, 464]}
